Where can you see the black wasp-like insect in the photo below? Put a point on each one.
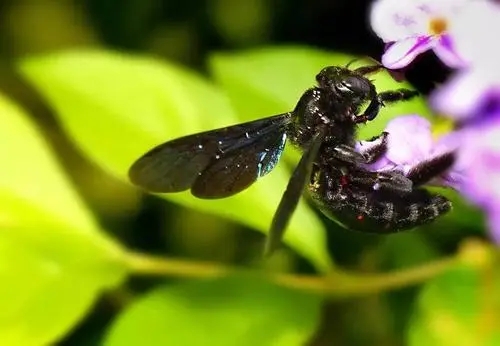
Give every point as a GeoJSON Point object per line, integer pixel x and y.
{"type": "Point", "coordinates": [225, 161]}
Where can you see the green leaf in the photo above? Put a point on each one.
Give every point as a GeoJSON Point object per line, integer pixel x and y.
{"type": "Point", "coordinates": [460, 307]}
{"type": "Point", "coordinates": [271, 80]}
{"type": "Point", "coordinates": [116, 107]}
{"type": "Point", "coordinates": [54, 262]}
{"type": "Point", "coordinates": [230, 311]}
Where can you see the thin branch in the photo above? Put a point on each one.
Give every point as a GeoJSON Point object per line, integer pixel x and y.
{"type": "Point", "coordinates": [337, 285]}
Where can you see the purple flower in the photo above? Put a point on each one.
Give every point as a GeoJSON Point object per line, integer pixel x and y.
{"type": "Point", "coordinates": [411, 142]}
{"type": "Point", "coordinates": [476, 172]}
{"type": "Point", "coordinates": [478, 159]}
{"type": "Point", "coordinates": [472, 97]}
{"type": "Point", "coordinates": [411, 27]}
{"type": "Point", "coordinates": [480, 155]}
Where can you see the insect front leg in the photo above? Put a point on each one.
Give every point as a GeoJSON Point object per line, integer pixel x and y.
{"type": "Point", "coordinates": [375, 148]}
{"type": "Point", "coordinates": [346, 154]}
{"type": "Point", "coordinates": [382, 99]}
{"type": "Point", "coordinates": [397, 95]}
{"type": "Point", "coordinates": [370, 152]}
{"type": "Point", "coordinates": [364, 70]}
{"type": "Point", "coordinates": [388, 181]}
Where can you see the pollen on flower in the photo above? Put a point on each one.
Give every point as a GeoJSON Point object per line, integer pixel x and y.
{"type": "Point", "coordinates": [438, 25]}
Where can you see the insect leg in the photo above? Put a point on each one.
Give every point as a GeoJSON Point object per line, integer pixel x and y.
{"type": "Point", "coordinates": [396, 95]}
{"type": "Point", "coordinates": [375, 148]}
{"type": "Point", "coordinates": [369, 69]}
{"type": "Point", "coordinates": [393, 181]}
{"type": "Point", "coordinates": [383, 181]}
{"type": "Point", "coordinates": [291, 197]}
{"type": "Point", "coordinates": [382, 98]}
{"type": "Point", "coordinates": [347, 154]}
{"type": "Point", "coordinates": [424, 171]}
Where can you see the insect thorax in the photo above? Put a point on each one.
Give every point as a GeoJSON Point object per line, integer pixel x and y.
{"type": "Point", "coordinates": [322, 111]}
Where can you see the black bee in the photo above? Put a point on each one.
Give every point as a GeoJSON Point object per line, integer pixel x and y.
{"type": "Point", "coordinates": [223, 162]}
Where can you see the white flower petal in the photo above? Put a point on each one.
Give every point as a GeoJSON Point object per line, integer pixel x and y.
{"type": "Point", "coordinates": [475, 33]}
{"type": "Point", "coordinates": [445, 50]}
{"type": "Point", "coordinates": [394, 20]}
{"type": "Point", "coordinates": [410, 140]}
{"type": "Point", "coordinates": [463, 93]}
{"type": "Point", "coordinates": [403, 52]}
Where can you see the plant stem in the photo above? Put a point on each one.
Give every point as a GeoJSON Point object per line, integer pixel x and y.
{"type": "Point", "coordinates": [336, 285]}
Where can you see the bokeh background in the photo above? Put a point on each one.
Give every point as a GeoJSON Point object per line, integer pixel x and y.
{"type": "Point", "coordinates": [186, 32]}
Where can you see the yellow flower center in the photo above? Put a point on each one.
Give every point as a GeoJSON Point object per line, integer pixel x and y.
{"type": "Point", "coordinates": [438, 25]}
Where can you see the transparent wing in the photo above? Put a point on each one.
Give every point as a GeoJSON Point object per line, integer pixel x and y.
{"type": "Point", "coordinates": [176, 165]}
{"type": "Point", "coordinates": [234, 172]}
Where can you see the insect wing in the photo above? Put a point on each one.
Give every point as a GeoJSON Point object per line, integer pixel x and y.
{"type": "Point", "coordinates": [174, 166]}
{"type": "Point", "coordinates": [236, 171]}
{"type": "Point", "coordinates": [292, 195]}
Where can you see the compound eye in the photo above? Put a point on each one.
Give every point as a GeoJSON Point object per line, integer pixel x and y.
{"type": "Point", "coordinates": [344, 87]}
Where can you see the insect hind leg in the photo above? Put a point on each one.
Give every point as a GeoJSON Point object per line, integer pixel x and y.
{"type": "Point", "coordinates": [426, 170]}
{"type": "Point", "coordinates": [393, 182]}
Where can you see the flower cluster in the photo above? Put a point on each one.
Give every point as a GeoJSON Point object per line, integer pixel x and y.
{"type": "Point", "coordinates": [460, 33]}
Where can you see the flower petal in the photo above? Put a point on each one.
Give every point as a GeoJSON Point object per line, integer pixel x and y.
{"type": "Point", "coordinates": [394, 20]}
{"type": "Point", "coordinates": [466, 94]}
{"type": "Point", "coordinates": [474, 33]}
{"type": "Point", "coordinates": [410, 139]}
{"type": "Point", "coordinates": [403, 52]}
{"type": "Point", "coordinates": [409, 142]}
{"type": "Point", "coordinates": [445, 50]}
{"type": "Point", "coordinates": [481, 156]}
{"type": "Point", "coordinates": [471, 92]}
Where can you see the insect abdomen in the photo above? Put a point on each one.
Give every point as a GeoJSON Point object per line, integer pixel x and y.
{"type": "Point", "coordinates": [363, 209]}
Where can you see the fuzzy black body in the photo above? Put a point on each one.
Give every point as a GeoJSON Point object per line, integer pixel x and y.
{"type": "Point", "coordinates": [223, 162]}
{"type": "Point", "coordinates": [359, 207]}
{"type": "Point", "coordinates": [339, 185]}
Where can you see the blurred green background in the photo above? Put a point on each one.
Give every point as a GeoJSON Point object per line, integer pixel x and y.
{"type": "Point", "coordinates": [88, 259]}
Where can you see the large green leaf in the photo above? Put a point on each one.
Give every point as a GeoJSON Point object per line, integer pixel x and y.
{"type": "Point", "coordinates": [460, 307]}
{"type": "Point", "coordinates": [54, 261]}
{"type": "Point", "coordinates": [230, 311]}
{"type": "Point", "coordinates": [117, 106]}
